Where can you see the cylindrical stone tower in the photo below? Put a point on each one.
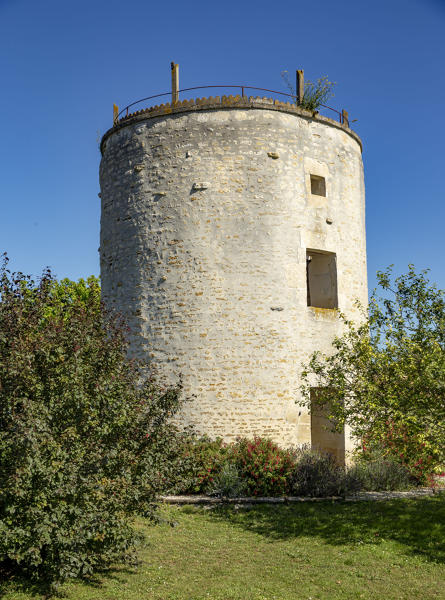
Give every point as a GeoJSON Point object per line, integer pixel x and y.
{"type": "Point", "coordinates": [232, 232]}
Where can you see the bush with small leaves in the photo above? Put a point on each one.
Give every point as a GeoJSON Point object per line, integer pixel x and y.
{"type": "Point", "coordinates": [81, 437]}
{"type": "Point", "coordinates": [228, 483]}
{"type": "Point", "coordinates": [317, 474]}
{"type": "Point", "coordinates": [197, 462]}
{"type": "Point", "coordinates": [378, 472]}
{"type": "Point", "coordinates": [264, 467]}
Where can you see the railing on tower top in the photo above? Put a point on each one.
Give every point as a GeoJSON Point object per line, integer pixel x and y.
{"type": "Point", "coordinates": [342, 116]}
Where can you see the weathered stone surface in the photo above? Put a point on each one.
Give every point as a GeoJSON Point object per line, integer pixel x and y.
{"type": "Point", "coordinates": [213, 281]}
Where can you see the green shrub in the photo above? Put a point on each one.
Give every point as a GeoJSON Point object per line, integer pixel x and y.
{"type": "Point", "coordinates": [415, 455]}
{"type": "Point", "coordinates": [197, 463]}
{"type": "Point", "coordinates": [259, 467]}
{"type": "Point", "coordinates": [317, 474]}
{"type": "Point", "coordinates": [80, 440]}
{"type": "Point", "coordinates": [263, 466]}
{"type": "Point", "coordinates": [227, 483]}
{"type": "Point", "coordinates": [377, 472]}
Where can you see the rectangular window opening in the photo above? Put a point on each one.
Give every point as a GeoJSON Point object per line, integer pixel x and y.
{"type": "Point", "coordinates": [321, 277]}
{"type": "Point", "coordinates": [318, 185]}
{"type": "Point", "coordinates": [323, 436]}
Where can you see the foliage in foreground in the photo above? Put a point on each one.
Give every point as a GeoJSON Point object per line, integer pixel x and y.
{"type": "Point", "coordinates": [228, 483]}
{"type": "Point", "coordinates": [255, 467]}
{"type": "Point", "coordinates": [81, 443]}
{"type": "Point", "coordinates": [317, 474]}
{"type": "Point", "coordinates": [263, 466]}
{"type": "Point", "coordinates": [380, 473]}
{"type": "Point", "coordinates": [386, 376]}
{"type": "Point", "coordinates": [197, 463]}
{"type": "Point", "coordinates": [259, 467]}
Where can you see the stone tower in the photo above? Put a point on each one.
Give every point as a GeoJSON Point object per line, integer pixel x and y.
{"type": "Point", "coordinates": [232, 232]}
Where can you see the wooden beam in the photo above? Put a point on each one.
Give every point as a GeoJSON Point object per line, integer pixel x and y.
{"type": "Point", "coordinates": [300, 86]}
{"type": "Point", "coordinates": [175, 83]}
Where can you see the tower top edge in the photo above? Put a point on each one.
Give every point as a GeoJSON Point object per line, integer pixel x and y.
{"type": "Point", "coordinates": [224, 103]}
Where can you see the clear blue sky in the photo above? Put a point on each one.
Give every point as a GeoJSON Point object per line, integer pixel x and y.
{"type": "Point", "coordinates": [64, 63]}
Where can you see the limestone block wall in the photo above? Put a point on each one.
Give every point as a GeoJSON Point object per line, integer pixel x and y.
{"type": "Point", "coordinates": [207, 218]}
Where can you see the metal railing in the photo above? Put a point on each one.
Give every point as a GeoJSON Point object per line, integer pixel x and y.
{"type": "Point", "coordinates": [342, 116]}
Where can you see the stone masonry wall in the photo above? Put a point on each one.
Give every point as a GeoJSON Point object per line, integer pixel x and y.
{"type": "Point", "coordinates": [206, 219]}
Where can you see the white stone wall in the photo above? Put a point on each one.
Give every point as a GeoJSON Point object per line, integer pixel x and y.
{"type": "Point", "coordinates": [206, 218]}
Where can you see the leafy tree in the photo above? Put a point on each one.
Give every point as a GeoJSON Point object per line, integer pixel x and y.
{"type": "Point", "coordinates": [82, 439]}
{"type": "Point", "coordinates": [385, 376]}
{"type": "Point", "coordinates": [67, 294]}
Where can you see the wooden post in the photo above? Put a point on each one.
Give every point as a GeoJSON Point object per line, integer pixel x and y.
{"type": "Point", "coordinates": [115, 113]}
{"type": "Point", "coordinates": [345, 117]}
{"type": "Point", "coordinates": [300, 86]}
{"type": "Point", "coordinates": [175, 83]}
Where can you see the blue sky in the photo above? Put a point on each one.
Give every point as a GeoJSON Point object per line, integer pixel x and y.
{"type": "Point", "coordinates": [63, 64]}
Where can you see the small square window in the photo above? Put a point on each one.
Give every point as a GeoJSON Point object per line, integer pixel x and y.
{"type": "Point", "coordinates": [318, 185]}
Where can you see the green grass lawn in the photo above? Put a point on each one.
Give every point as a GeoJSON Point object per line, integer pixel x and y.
{"type": "Point", "coordinates": [382, 550]}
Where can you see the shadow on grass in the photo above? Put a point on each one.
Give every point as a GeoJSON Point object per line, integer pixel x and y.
{"type": "Point", "coordinates": [12, 581]}
{"type": "Point", "coordinates": [418, 524]}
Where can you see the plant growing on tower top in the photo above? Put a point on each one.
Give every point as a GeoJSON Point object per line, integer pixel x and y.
{"type": "Point", "coordinates": [315, 93]}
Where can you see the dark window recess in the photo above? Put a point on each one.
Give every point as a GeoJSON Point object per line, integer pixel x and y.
{"type": "Point", "coordinates": [324, 438]}
{"type": "Point", "coordinates": [318, 185]}
{"type": "Point", "coordinates": [321, 275]}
